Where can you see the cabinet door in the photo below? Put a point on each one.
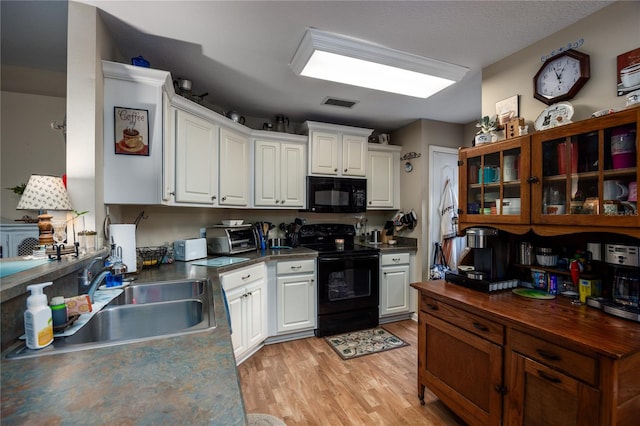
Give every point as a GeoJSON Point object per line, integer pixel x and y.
{"type": "Point", "coordinates": [380, 180]}
{"type": "Point", "coordinates": [293, 175]}
{"type": "Point", "coordinates": [463, 370]}
{"type": "Point", "coordinates": [236, 300]}
{"type": "Point", "coordinates": [267, 174]}
{"type": "Point", "coordinates": [234, 169]}
{"type": "Point", "coordinates": [539, 395]}
{"type": "Point", "coordinates": [196, 159]}
{"type": "Point", "coordinates": [296, 302]}
{"type": "Point", "coordinates": [324, 153]}
{"type": "Point", "coordinates": [493, 183]}
{"type": "Point", "coordinates": [256, 318]}
{"type": "Point", "coordinates": [394, 290]}
{"type": "Point", "coordinates": [354, 155]}
{"type": "Point", "coordinates": [585, 170]}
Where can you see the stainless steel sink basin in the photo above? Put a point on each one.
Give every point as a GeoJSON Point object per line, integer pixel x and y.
{"type": "Point", "coordinates": [142, 312]}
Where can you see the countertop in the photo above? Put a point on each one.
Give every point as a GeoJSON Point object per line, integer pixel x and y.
{"type": "Point", "coordinates": [190, 379]}
{"type": "Point", "coordinates": [556, 320]}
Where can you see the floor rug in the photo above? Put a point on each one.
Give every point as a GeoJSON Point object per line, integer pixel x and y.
{"type": "Point", "coordinates": [255, 419]}
{"type": "Point", "coordinates": [364, 342]}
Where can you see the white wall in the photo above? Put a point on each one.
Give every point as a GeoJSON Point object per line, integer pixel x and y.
{"type": "Point", "coordinates": [28, 144]}
{"type": "Point", "coordinates": [608, 33]}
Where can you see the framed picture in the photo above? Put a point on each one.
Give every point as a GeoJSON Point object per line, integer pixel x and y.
{"type": "Point", "coordinates": [507, 109]}
{"type": "Point", "coordinates": [131, 130]}
{"type": "Point", "coordinates": [628, 72]}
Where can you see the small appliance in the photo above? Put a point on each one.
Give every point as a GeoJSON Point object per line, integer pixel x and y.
{"type": "Point", "coordinates": [223, 239]}
{"type": "Point", "coordinates": [336, 195]}
{"type": "Point", "coordinates": [191, 249]}
{"type": "Point", "coordinates": [621, 293]}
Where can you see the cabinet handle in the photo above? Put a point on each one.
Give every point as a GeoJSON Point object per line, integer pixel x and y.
{"type": "Point", "coordinates": [282, 201]}
{"type": "Point", "coordinates": [345, 170]}
{"type": "Point", "coordinates": [224, 198]}
{"type": "Point", "coordinates": [296, 267]}
{"type": "Point", "coordinates": [213, 198]}
{"type": "Point", "coordinates": [277, 201]}
{"type": "Point", "coordinates": [548, 355]}
{"type": "Point", "coordinates": [533, 179]}
{"type": "Point", "coordinates": [500, 389]}
{"type": "Point", "coordinates": [335, 170]}
{"type": "Point", "coordinates": [172, 193]}
{"type": "Point", "coordinates": [432, 306]}
{"type": "Point", "coordinates": [480, 327]}
{"type": "Point", "coordinates": [369, 202]}
{"type": "Point", "coordinates": [385, 274]}
{"type": "Point", "coordinates": [246, 276]}
{"type": "Point", "coordinates": [548, 377]}
{"type": "Point", "coordinates": [396, 259]}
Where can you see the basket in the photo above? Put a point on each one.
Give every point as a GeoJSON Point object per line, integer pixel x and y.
{"type": "Point", "coordinates": [151, 256]}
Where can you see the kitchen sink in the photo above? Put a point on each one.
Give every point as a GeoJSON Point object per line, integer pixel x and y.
{"type": "Point", "coordinates": [143, 311]}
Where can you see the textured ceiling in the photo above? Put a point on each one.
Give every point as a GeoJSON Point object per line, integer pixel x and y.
{"type": "Point", "coordinates": [238, 51]}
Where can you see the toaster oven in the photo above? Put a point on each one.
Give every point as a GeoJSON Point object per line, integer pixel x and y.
{"type": "Point", "coordinates": [223, 239]}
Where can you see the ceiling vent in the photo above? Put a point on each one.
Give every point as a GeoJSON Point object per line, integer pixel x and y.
{"type": "Point", "coordinates": [339, 102]}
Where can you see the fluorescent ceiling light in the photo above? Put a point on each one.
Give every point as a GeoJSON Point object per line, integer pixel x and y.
{"type": "Point", "coordinates": [357, 62]}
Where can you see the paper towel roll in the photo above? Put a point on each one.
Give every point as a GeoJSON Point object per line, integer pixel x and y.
{"type": "Point", "coordinates": [124, 235]}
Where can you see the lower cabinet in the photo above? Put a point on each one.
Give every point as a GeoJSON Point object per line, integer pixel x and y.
{"type": "Point", "coordinates": [460, 361]}
{"type": "Point", "coordinates": [394, 283]}
{"type": "Point", "coordinates": [247, 300]}
{"type": "Point", "coordinates": [296, 295]}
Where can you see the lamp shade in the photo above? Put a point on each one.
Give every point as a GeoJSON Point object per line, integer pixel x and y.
{"type": "Point", "coordinates": [44, 193]}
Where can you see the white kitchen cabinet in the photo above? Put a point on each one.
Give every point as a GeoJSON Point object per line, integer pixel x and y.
{"type": "Point", "coordinates": [246, 290]}
{"type": "Point", "coordinates": [196, 167]}
{"type": "Point", "coordinates": [133, 177]}
{"type": "Point", "coordinates": [383, 177]}
{"type": "Point", "coordinates": [337, 150]}
{"type": "Point", "coordinates": [296, 295]}
{"type": "Point", "coordinates": [234, 168]}
{"type": "Point", "coordinates": [395, 270]}
{"type": "Point", "coordinates": [280, 171]}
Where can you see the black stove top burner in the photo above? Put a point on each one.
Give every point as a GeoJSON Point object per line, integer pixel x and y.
{"type": "Point", "coordinates": [322, 238]}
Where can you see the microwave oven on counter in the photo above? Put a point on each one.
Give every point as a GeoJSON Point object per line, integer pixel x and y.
{"type": "Point", "coordinates": [223, 239]}
{"type": "Point", "coordinates": [336, 195]}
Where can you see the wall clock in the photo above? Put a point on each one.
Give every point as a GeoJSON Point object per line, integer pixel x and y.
{"type": "Point", "coordinates": [561, 77]}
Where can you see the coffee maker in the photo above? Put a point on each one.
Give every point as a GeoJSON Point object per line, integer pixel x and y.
{"type": "Point", "coordinates": [621, 295]}
{"type": "Point", "coordinates": [490, 260]}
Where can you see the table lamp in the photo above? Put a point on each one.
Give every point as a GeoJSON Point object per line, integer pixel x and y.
{"type": "Point", "coordinates": [44, 193]}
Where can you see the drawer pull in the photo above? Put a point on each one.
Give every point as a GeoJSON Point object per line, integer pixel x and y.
{"type": "Point", "coordinates": [432, 306]}
{"type": "Point", "coordinates": [548, 355]}
{"type": "Point", "coordinates": [296, 267]}
{"type": "Point", "coordinates": [548, 377]}
{"type": "Point", "coordinates": [480, 327]}
{"type": "Point", "coordinates": [246, 276]}
{"type": "Point", "coordinates": [396, 259]}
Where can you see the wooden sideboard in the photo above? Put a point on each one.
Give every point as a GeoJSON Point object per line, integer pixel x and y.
{"type": "Point", "coordinates": [505, 359]}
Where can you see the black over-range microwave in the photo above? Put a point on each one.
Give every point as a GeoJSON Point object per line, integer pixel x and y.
{"type": "Point", "coordinates": [336, 195]}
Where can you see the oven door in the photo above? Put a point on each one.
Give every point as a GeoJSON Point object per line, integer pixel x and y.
{"type": "Point", "coordinates": [347, 282]}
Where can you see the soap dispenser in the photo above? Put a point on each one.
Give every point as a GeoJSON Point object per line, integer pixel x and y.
{"type": "Point", "coordinates": [38, 323]}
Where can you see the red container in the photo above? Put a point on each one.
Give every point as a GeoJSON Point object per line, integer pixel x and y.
{"type": "Point", "coordinates": [562, 158]}
{"type": "Point", "coordinates": [623, 148]}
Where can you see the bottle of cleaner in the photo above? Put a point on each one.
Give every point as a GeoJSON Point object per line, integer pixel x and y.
{"type": "Point", "coordinates": [38, 323]}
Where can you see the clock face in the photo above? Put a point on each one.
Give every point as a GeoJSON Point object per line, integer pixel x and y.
{"type": "Point", "coordinates": [561, 77]}
{"type": "Point", "coordinates": [558, 77]}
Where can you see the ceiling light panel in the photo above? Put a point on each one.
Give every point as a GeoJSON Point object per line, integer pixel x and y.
{"type": "Point", "coordinates": [356, 62]}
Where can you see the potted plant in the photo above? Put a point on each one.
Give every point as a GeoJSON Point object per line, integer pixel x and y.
{"type": "Point", "coordinates": [488, 125]}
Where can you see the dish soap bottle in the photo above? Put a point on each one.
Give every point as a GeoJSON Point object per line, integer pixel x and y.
{"type": "Point", "coordinates": [38, 323]}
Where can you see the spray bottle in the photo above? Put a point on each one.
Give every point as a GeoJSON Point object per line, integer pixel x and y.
{"type": "Point", "coordinates": [38, 323]}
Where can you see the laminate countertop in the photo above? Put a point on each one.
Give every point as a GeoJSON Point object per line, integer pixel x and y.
{"type": "Point", "coordinates": [189, 379]}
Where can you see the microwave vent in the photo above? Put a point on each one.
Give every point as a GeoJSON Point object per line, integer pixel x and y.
{"type": "Point", "coordinates": [344, 103]}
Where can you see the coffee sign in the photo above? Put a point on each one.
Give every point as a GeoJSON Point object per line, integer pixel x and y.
{"type": "Point", "coordinates": [131, 127]}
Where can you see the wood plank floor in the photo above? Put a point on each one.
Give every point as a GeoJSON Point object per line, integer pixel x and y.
{"type": "Point", "coordinates": [304, 382]}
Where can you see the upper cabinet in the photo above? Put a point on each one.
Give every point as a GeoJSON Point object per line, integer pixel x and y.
{"type": "Point", "coordinates": [336, 150]}
{"type": "Point", "coordinates": [279, 170]}
{"type": "Point", "coordinates": [578, 177]}
{"type": "Point", "coordinates": [234, 168]}
{"type": "Point", "coordinates": [383, 177]}
{"type": "Point", "coordinates": [133, 174]}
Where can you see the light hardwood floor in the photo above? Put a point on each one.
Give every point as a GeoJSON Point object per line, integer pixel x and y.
{"type": "Point", "coordinates": [304, 382]}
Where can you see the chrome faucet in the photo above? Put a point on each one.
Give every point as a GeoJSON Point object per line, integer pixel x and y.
{"type": "Point", "coordinates": [86, 280]}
